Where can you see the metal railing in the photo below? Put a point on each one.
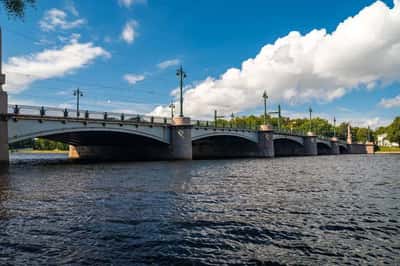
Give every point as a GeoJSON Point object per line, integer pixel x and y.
{"type": "Point", "coordinates": [52, 112]}
{"type": "Point", "coordinates": [225, 125]}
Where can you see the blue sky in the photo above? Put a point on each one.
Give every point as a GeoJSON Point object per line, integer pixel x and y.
{"type": "Point", "coordinates": [124, 53]}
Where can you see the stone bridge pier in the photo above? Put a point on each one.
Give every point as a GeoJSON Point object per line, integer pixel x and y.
{"type": "Point", "coordinates": [181, 139]}
{"type": "Point", "coordinates": [310, 144]}
{"type": "Point", "coordinates": [266, 142]}
{"type": "Point", "coordinates": [4, 155]}
{"type": "Point", "coordinates": [335, 149]}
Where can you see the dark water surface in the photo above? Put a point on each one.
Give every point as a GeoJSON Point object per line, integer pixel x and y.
{"type": "Point", "coordinates": [304, 210]}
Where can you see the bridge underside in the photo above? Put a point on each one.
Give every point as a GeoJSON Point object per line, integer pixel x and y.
{"type": "Point", "coordinates": [342, 149]}
{"type": "Point", "coordinates": [102, 145]}
{"type": "Point", "coordinates": [323, 149]}
{"type": "Point", "coordinates": [287, 147]}
{"type": "Point", "coordinates": [224, 147]}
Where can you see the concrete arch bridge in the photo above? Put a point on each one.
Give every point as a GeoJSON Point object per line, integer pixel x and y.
{"type": "Point", "coordinates": [102, 135]}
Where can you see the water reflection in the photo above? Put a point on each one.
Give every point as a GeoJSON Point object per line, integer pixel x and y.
{"type": "Point", "coordinates": [4, 190]}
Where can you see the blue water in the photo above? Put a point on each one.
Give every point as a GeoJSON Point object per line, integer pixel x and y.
{"type": "Point", "coordinates": [284, 211]}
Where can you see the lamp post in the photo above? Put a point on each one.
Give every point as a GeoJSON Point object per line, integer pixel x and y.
{"type": "Point", "coordinates": [368, 135]}
{"type": "Point", "coordinates": [310, 111]}
{"type": "Point", "coordinates": [78, 93]}
{"type": "Point", "coordinates": [279, 117]}
{"type": "Point", "coordinates": [216, 116]}
{"type": "Point", "coordinates": [181, 74]}
{"type": "Point", "coordinates": [172, 106]}
{"type": "Point", "coordinates": [291, 126]}
{"type": "Point", "coordinates": [265, 97]}
{"type": "Point", "coordinates": [232, 118]}
{"type": "Point", "coordinates": [334, 127]}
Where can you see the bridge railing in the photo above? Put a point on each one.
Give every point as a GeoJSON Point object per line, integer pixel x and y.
{"type": "Point", "coordinates": [223, 125]}
{"type": "Point", "coordinates": [67, 113]}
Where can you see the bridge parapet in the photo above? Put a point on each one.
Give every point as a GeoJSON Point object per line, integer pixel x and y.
{"type": "Point", "coordinates": [26, 111]}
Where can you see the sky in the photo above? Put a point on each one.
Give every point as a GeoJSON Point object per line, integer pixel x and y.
{"type": "Point", "coordinates": [342, 58]}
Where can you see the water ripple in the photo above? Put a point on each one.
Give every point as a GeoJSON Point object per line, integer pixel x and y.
{"type": "Point", "coordinates": [289, 211]}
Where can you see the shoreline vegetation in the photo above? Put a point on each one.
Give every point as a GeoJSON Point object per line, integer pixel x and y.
{"type": "Point", "coordinates": [387, 150]}
{"type": "Point", "coordinates": [32, 151]}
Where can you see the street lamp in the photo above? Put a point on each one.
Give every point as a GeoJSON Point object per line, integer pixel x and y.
{"type": "Point", "coordinates": [232, 118]}
{"type": "Point", "coordinates": [216, 117]}
{"type": "Point", "coordinates": [265, 96]}
{"type": "Point", "coordinates": [334, 127]}
{"type": "Point", "coordinates": [172, 106]}
{"type": "Point", "coordinates": [78, 93]}
{"type": "Point", "coordinates": [279, 117]}
{"type": "Point", "coordinates": [310, 111]}
{"type": "Point", "coordinates": [181, 74]}
{"type": "Point", "coordinates": [291, 126]}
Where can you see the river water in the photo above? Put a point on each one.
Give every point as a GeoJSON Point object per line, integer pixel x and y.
{"type": "Point", "coordinates": [284, 211]}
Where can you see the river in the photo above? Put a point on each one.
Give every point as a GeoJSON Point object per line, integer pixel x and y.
{"type": "Point", "coordinates": [283, 211]}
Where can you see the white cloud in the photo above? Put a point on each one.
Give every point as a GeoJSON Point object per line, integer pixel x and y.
{"type": "Point", "coordinates": [373, 123]}
{"type": "Point", "coordinates": [70, 6]}
{"type": "Point", "coordinates": [390, 103]}
{"type": "Point", "coordinates": [168, 63]}
{"type": "Point", "coordinates": [129, 3]}
{"type": "Point", "coordinates": [56, 18]}
{"type": "Point", "coordinates": [21, 71]}
{"type": "Point", "coordinates": [363, 51]}
{"type": "Point", "coordinates": [133, 78]}
{"type": "Point", "coordinates": [129, 32]}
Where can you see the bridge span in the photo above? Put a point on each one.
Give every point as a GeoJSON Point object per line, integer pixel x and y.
{"type": "Point", "coordinates": [112, 136]}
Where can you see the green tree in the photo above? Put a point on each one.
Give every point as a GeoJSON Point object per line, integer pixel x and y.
{"type": "Point", "coordinates": [393, 130]}
{"type": "Point", "coordinates": [16, 8]}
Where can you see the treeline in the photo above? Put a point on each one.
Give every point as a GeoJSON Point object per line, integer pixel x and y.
{"type": "Point", "coordinates": [318, 125]}
{"type": "Point", "coordinates": [39, 144]}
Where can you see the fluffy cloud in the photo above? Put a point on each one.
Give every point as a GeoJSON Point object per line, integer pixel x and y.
{"type": "Point", "coordinates": [363, 51]}
{"type": "Point", "coordinates": [56, 18]}
{"type": "Point", "coordinates": [129, 32]}
{"type": "Point", "coordinates": [23, 70]}
{"type": "Point", "coordinates": [129, 3]}
{"type": "Point", "coordinates": [70, 6]}
{"type": "Point", "coordinates": [390, 103]}
{"type": "Point", "coordinates": [133, 79]}
{"type": "Point", "coordinates": [168, 63]}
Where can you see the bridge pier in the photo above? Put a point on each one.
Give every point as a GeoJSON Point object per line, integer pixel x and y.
{"type": "Point", "coordinates": [370, 147]}
{"type": "Point", "coordinates": [266, 141]}
{"type": "Point", "coordinates": [4, 154]}
{"type": "Point", "coordinates": [335, 150]}
{"type": "Point", "coordinates": [181, 139]}
{"type": "Point", "coordinates": [360, 148]}
{"type": "Point", "coordinates": [73, 152]}
{"type": "Point", "coordinates": [310, 144]}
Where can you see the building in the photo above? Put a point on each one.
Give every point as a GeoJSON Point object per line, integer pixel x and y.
{"type": "Point", "coordinates": [383, 141]}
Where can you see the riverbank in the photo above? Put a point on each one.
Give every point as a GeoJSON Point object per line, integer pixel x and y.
{"type": "Point", "coordinates": [31, 151]}
{"type": "Point", "coordinates": [387, 152]}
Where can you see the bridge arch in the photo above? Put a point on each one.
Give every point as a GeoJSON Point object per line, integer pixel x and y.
{"type": "Point", "coordinates": [219, 145]}
{"type": "Point", "coordinates": [288, 146]}
{"type": "Point", "coordinates": [58, 133]}
{"type": "Point", "coordinates": [324, 147]}
{"type": "Point", "coordinates": [225, 133]}
{"type": "Point", "coordinates": [343, 149]}
{"type": "Point", "coordinates": [92, 140]}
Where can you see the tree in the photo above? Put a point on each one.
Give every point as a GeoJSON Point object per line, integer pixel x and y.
{"type": "Point", "coordinates": [393, 130]}
{"type": "Point", "coordinates": [17, 7]}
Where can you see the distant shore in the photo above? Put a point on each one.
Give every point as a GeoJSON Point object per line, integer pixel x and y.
{"type": "Point", "coordinates": [387, 152]}
{"type": "Point", "coordinates": [31, 151]}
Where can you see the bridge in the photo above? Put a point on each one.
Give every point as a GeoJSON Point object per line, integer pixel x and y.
{"type": "Point", "coordinates": [116, 136]}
